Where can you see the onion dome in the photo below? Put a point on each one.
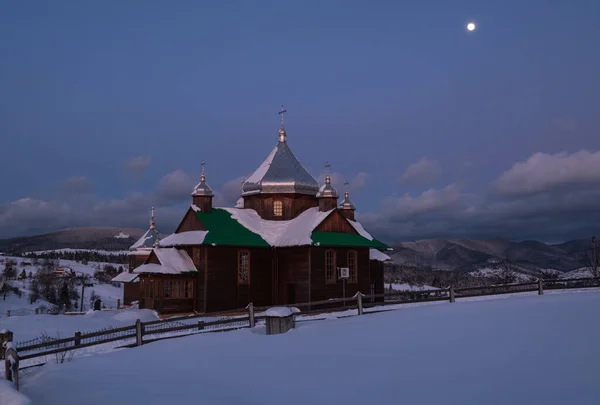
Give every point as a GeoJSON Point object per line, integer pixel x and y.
{"type": "Point", "coordinates": [202, 189]}
{"type": "Point", "coordinates": [280, 173]}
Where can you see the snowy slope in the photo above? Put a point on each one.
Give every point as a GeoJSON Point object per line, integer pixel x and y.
{"type": "Point", "coordinates": [492, 352]}
{"type": "Point", "coordinates": [108, 293]}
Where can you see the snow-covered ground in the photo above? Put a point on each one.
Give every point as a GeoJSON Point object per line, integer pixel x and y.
{"type": "Point", "coordinates": [410, 287]}
{"type": "Point", "coordinates": [108, 293]}
{"type": "Point", "coordinates": [523, 350]}
{"type": "Point", "coordinates": [490, 272]}
{"type": "Point", "coordinates": [69, 250]}
{"type": "Point", "coordinates": [583, 272]}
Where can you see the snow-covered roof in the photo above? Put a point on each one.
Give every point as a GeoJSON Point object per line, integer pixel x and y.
{"type": "Point", "coordinates": [147, 240]}
{"type": "Point", "coordinates": [125, 277]}
{"type": "Point", "coordinates": [172, 261]}
{"type": "Point", "coordinates": [281, 172]}
{"type": "Point", "coordinates": [184, 238]}
{"type": "Point", "coordinates": [294, 232]}
{"type": "Point", "coordinates": [375, 254]}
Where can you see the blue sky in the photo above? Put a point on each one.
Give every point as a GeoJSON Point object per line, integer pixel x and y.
{"type": "Point", "coordinates": [107, 108]}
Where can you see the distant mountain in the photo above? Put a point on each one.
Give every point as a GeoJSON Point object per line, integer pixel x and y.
{"type": "Point", "coordinates": [101, 238]}
{"type": "Point", "coordinates": [469, 254]}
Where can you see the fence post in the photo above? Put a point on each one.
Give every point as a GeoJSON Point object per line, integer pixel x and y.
{"type": "Point", "coordinates": [452, 296]}
{"type": "Point", "coordinates": [77, 338]}
{"type": "Point", "coordinates": [251, 314]}
{"type": "Point", "coordinates": [200, 325]}
{"type": "Point", "coordinates": [540, 287]}
{"type": "Point", "coordinates": [5, 336]}
{"type": "Point", "coordinates": [118, 303]}
{"type": "Point", "coordinates": [359, 303]}
{"type": "Point", "coordinates": [138, 332]}
{"type": "Point", "coordinates": [11, 365]}
{"type": "Point", "coordinates": [8, 313]}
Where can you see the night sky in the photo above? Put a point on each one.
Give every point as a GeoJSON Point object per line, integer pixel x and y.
{"type": "Point", "coordinates": [108, 108]}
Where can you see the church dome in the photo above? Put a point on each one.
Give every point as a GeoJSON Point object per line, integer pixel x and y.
{"type": "Point", "coordinates": [281, 172]}
{"type": "Point", "coordinates": [327, 190]}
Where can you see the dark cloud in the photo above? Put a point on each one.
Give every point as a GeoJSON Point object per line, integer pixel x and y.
{"type": "Point", "coordinates": [176, 186]}
{"type": "Point", "coordinates": [138, 164]}
{"type": "Point", "coordinates": [547, 197]}
{"type": "Point", "coordinates": [229, 193]}
{"type": "Point", "coordinates": [78, 184]}
{"type": "Point", "coordinates": [422, 173]}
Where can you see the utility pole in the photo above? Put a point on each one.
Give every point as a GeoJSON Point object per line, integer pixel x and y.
{"type": "Point", "coordinates": [594, 257]}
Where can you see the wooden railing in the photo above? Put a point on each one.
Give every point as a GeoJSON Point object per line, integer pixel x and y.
{"type": "Point", "coordinates": [145, 332]}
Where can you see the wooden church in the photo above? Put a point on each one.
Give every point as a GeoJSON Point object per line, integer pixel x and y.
{"type": "Point", "coordinates": [287, 241]}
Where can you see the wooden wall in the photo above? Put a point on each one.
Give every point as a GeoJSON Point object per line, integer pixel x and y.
{"type": "Point", "coordinates": [327, 203]}
{"type": "Point", "coordinates": [293, 204]}
{"type": "Point", "coordinates": [190, 222]}
{"type": "Point", "coordinates": [376, 270]}
{"type": "Point", "coordinates": [223, 290]}
{"type": "Point", "coordinates": [157, 301]}
{"type": "Point", "coordinates": [335, 222]}
{"type": "Point", "coordinates": [292, 275]}
{"type": "Point", "coordinates": [203, 202]}
{"type": "Point", "coordinates": [320, 290]}
{"type": "Point", "coordinates": [131, 292]}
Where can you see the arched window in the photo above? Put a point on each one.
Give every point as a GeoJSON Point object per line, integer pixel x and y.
{"type": "Point", "coordinates": [244, 267]}
{"type": "Point", "coordinates": [330, 266]}
{"type": "Point", "coordinates": [278, 208]}
{"type": "Point", "coordinates": [352, 259]}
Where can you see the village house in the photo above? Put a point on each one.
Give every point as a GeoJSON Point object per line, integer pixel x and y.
{"type": "Point", "coordinates": [287, 240]}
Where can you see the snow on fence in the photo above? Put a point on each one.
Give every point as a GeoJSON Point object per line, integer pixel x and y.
{"type": "Point", "coordinates": [145, 332]}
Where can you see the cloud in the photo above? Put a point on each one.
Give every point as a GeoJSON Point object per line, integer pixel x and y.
{"type": "Point", "coordinates": [138, 165]}
{"type": "Point", "coordinates": [428, 201]}
{"type": "Point", "coordinates": [176, 186]}
{"type": "Point", "coordinates": [78, 184]}
{"type": "Point", "coordinates": [424, 172]}
{"type": "Point", "coordinates": [229, 193]}
{"type": "Point", "coordinates": [543, 172]}
{"type": "Point", "coordinates": [547, 197]}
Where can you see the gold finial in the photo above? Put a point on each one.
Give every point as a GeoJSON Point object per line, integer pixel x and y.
{"type": "Point", "coordinates": [346, 184]}
{"type": "Point", "coordinates": [203, 175]}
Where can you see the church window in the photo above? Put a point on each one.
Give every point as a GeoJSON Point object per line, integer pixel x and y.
{"type": "Point", "coordinates": [278, 208]}
{"type": "Point", "coordinates": [330, 266]}
{"type": "Point", "coordinates": [352, 266]}
{"type": "Point", "coordinates": [244, 267]}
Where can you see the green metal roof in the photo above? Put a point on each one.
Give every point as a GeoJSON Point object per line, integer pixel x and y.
{"type": "Point", "coordinates": [224, 230]}
{"type": "Point", "coordinates": [345, 239]}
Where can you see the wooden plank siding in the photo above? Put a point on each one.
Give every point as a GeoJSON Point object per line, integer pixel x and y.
{"type": "Point", "coordinates": [335, 222]}
{"type": "Point", "coordinates": [321, 290]}
{"type": "Point", "coordinates": [223, 290]}
{"type": "Point", "coordinates": [293, 275]}
{"type": "Point", "coordinates": [190, 222]}
{"type": "Point", "coordinates": [131, 292]}
{"type": "Point", "coordinates": [293, 205]}
{"type": "Point", "coordinates": [152, 293]}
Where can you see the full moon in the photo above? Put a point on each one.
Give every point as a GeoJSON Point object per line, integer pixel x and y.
{"type": "Point", "coordinates": [471, 26]}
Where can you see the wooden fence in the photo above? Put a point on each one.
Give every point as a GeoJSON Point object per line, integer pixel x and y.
{"type": "Point", "coordinates": [145, 332]}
